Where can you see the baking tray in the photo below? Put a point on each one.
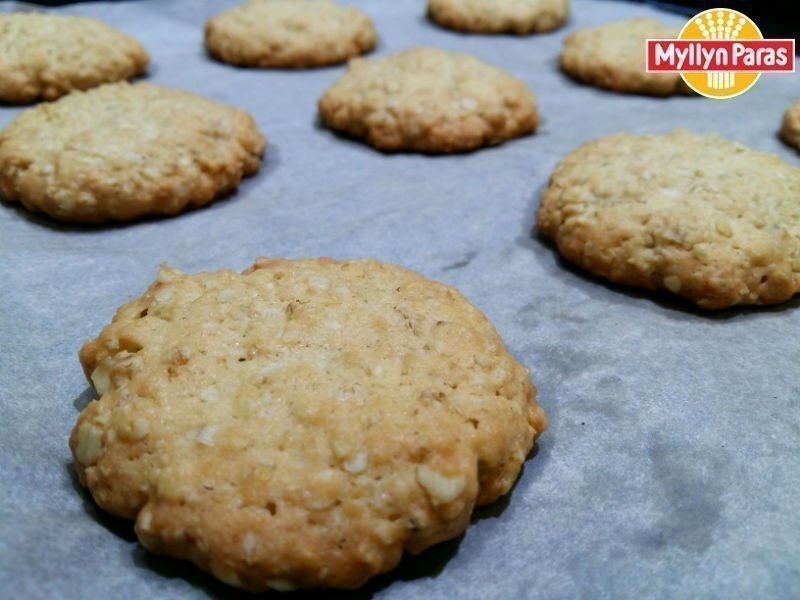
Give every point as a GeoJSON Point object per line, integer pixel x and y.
{"type": "Point", "coordinates": [670, 468]}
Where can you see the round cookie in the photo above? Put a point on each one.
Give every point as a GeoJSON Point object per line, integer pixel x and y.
{"type": "Point", "coordinates": [47, 56]}
{"type": "Point", "coordinates": [499, 16]}
{"type": "Point", "coordinates": [289, 34]}
{"type": "Point", "coordinates": [612, 56]}
{"type": "Point", "coordinates": [695, 214]}
{"type": "Point", "coordinates": [122, 151]}
{"type": "Point", "coordinates": [790, 128]}
{"type": "Point", "coordinates": [301, 424]}
{"type": "Point", "coordinates": [428, 100]}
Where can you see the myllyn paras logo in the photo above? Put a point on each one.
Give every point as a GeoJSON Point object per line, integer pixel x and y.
{"type": "Point", "coordinates": [720, 53]}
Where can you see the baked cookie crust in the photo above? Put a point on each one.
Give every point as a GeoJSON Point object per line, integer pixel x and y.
{"type": "Point", "coordinates": [612, 56]}
{"type": "Point", "coordinates": [499, 16]}
{"type": "Point", "coordinates": [45, 56]}
{"type": "Point", "coordinates": [694, 214]}
{"type": "Point", "coordinates": [122, 151]}
{"type": "Point", "coordinates": [301, 424]}
{"type": "Point", "coordinates": [428, 100]}
{"type": "Point", "coordinates": [289, 34]}
{"type": "Point", "coordinates": [790, 128]}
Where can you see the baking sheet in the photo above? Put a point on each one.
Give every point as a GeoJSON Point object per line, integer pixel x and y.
{"type": "Point", "coordinates": [670, 468]}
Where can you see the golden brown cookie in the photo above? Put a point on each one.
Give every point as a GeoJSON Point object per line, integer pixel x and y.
{"type": "Point", "coordinates": [790, 128]}
{"type": "Point", "coordinates": [428, 100]}
{"type": "Point", "coordinates": [47, 56]}
{"type": "Point", "coordinates": [612, 56]}
{"type": "Point", "coordinates": [695, 214]}
{"type": "Point", "coordinates": [301, 424]}
{"type": "Point", "coordinates": [122, 151]}
{"type": "Point", "coordinates": [289, 34]}
{"type": "Point", "coordinates": [499, 16]}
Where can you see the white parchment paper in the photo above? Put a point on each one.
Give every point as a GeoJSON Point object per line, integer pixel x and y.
{"type": "Point", "coordinates": [671, 466]}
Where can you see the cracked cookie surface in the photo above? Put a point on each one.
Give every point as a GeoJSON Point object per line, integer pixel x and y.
{"type": "Point", "coordinates": [790, 128]}
{"type": "Point", "coordinates": [303, 423]}
{"type": "Point", "coordinates": [499, 16]}
{"type": "Point", "coordinates": [428, 100]}
{"type": "Point", "coordinates": [703, 217]}
{"type": "Point", "coordinates": [122, 151]}
{"type": "Point", "coordinates": [44, 56]}
{"type": "Point", "coordinates": [612, 56]}
{"type": "Point", "coordinates": [289, 34]}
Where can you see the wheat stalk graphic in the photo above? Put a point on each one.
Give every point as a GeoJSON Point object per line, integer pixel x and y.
{"type": "Point", "coordinates": [720, 27]}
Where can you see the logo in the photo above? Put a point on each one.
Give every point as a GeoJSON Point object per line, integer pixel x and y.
{"type": "Point", "coordinates": [720, 53]}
